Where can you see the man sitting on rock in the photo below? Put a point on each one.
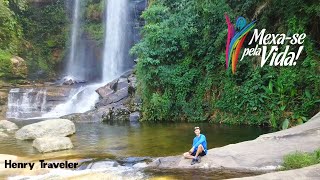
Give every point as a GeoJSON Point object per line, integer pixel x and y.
{"type": "Point", "coordinates": [199, 147]}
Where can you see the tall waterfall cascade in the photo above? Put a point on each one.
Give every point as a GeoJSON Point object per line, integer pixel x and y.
{"type": "Point", "coordinates": [116, 35]}
{"type": "Point", "coordinates": [121, 25]}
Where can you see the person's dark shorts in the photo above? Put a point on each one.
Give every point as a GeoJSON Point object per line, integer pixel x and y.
{"type": "Point", "coordinates": [201, 154]}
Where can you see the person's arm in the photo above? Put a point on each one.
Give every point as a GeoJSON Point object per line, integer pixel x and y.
{"type": "Point", "coordinates": [201, 140]}
{"type": "Point", "coordinates": [192, 149]}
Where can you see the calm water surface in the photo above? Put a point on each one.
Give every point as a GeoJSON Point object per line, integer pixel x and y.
{"type": "Point", "coordinates": [138, 139]}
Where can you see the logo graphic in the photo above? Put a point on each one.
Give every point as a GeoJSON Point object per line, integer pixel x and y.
{"type": "Point", "coordinates": [235, 39]}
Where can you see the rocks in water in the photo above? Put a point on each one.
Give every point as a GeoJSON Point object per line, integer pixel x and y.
{"type": "Point", "coordinates": [89, 116]}
{"type": "Point", "coordinates": [134, 117]}
{"type": "Point", "coordinates": [49, 144]}
{"type": "Point", "coordinates": [103, 164]}
{"type": "Point", "coordinates": [54, 127]}
{"type": "Point", "coordinates": [3, 135]}
{"type": "Point", "coordinates": [70, 81]}
{"type": "Point", "coordinates": [117, 113]}
{"type": "Point", "coordinates": [118, 99]}
{"type": "Point", "coordinates": [7, 125]}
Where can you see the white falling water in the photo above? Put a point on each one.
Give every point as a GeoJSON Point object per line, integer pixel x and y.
{"type": "Point", "coordinates": [71, 68]}
{"type": "Point", "coordinates": [81, 100]}
{"type": "Point", "coordinates": [26, 103]}
{"type": "Point", "coordinates": [114, 56]}
{"type": "Point", "coordinates": [115, 38]}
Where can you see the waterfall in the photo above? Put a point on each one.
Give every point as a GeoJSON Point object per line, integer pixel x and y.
{"type": "Point", "coordinates": [83, 65]}
{"type": "Point", "coordinates": [80, 100]}
{"type": "Point", "coordinates": [26, 103]}
{"type": "Point", "coordinates": [116, 45]}
{"type": "Point", "coordinates": [72, 69]}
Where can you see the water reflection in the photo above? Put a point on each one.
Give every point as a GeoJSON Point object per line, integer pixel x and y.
{"type": "Point", "coordinates": [127, 139]}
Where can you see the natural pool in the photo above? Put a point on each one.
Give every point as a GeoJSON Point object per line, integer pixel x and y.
{"type": "Point", "coordinates": [115, 141]}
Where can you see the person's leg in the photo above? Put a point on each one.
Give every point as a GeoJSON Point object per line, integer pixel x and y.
{"type": "Point", "coordinates": [199, 150]}
{"type": "Point", "coordinates": [187, 155]}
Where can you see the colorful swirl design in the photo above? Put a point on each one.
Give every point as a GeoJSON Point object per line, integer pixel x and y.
{"type": "Point", "coordinates": [235, 40]}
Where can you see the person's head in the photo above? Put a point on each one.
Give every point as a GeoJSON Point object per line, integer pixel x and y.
{"type": "Point", "coordinates": [197, 131]}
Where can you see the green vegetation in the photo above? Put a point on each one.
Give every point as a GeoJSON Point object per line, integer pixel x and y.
{"type": "Point", "coordinates": [181, 67]}
{"type": "Point", "coordinates": [93, 20]}
{"type": "Point", "coordinates": [10, 36]}
{"type": "Point", "coordinates": [300, 160]}
{"type": "Point", "coordinates": [5, 64]}
{"type": "Point", "coordinates": [39, 34]}
{"type": "Point", "coordinates": [46, 32]}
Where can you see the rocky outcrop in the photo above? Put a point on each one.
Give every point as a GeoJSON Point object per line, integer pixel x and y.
{"type": "Point", "coordinates": [49, 144]}
{"type": "Point", "coordinates": [3, 102]}
{"type": "Point", "coordinates": [118, 99]}
{"type": "Point", "coordinates": [7, 125]}
{"type": "Point", "coordinates": [19, 67]}
{"type": "Point", "coordinates": [3, 135]}
{"type": "Point", "coordinates": [262, 154]}
{"type": "Point", "coordinates": [51, 128]}
{"type": "Point", "coordinates": [311, 172]}
{"type": "Point", "coordinates": [134, 117]}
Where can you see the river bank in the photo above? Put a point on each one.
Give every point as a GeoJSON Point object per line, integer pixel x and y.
{"type": "Point", "coordinates": [263, 154]}
{"type": "Point", "coordinates": [130, 144]}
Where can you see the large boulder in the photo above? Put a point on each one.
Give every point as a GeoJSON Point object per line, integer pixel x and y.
{"type": "Point", "coordinates": [120, 97]}
{"type": "Point", "coordinates": [7, 125]}
{"type": "Point", "coordinates": [49, 144]}
{"type": "Point", "coordinates": [19, 67]}
{"type": "Point", "coordinates": [114, 97]}
{"type": "Point", "coordinates": [114, 91]}
{"type": "Point", "coordinates": [54, 127]}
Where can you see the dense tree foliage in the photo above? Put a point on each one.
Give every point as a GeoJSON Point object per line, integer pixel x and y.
{"type": "Point", "coordinates": [37, 34]}
{"type": "Point", "coordinates": [10, 35]}
{"type": "Point", "coordinates": [181, 64]}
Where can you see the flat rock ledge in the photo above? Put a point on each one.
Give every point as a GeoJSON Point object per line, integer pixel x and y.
{"type": "Point", "coordinates": [263, 154]}
{"type": "Point", "coordinates": [311, 172]}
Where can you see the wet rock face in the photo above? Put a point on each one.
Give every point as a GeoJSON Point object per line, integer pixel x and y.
{"type": "Point", "coordinates": [118, 99]}
{"type": "Point", "coordinates": [52, 128]}
{"type": "Point", "coordinates": [3, 104]}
